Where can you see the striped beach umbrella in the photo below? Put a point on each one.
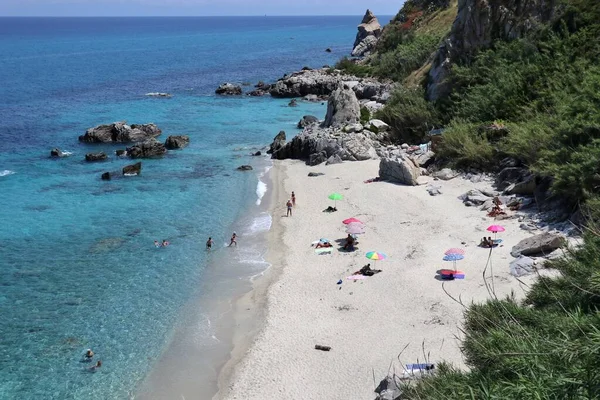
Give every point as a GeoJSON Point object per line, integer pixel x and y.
{"type": "Point", "coordinates": [373, 255]}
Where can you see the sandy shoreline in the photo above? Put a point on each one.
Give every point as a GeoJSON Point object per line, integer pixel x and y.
{"type": "Point", "coordinates": [367, 323]}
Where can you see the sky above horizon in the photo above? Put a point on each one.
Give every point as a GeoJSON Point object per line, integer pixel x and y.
{"type": "Point", "coordinates": [195, 7]}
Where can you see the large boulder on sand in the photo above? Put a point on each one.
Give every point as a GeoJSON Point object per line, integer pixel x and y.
{"type": "Point", "coordinates": [399, 170]}
{"type": "Point", "coordinates": [148, 149]}
{"type": "Point", "coordinates": [177, 142]}
{"type": "Point", "coordinates": [120, 132]}
{"type": "Point", "coordinates": [343, 108]}
{"type": "Point", "coordinates": [368, 34]}
{"type": "Point", "coordinates": [544, 243]}
{"type": "Point", "coordinates": [277, 144]}
{"type": "Point", "coordinates": [229, 89]}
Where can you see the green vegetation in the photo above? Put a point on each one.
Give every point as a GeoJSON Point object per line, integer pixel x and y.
{"type": "Point", "coordinates": [535, 99]}
{"type": "Point", "coordinates": [353, 68]}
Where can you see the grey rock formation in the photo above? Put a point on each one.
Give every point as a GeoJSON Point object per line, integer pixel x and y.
{"type": "Point", "coordinates": [177, 142]}
{"type": "Point", "coordinates": [425, 160]}
{"type": "Point", "coordinates": [229, 89]}
{"type": "Point", "coordinates": [91, 157]}
{"type": "Point", "coordinates": [148, 149]}
{"type": "Point", "coordinates": [377, 125]}
{"type": "Point", "coordinates": [134, 169]}
{"type": "Point", "coordinates": [307, 120]}
{"type": "Point", "coordinates": [120, 132]}
{"type": "Point", "coordinates": [477, 24]}
{"type": "Point", "coordinates": [121, 153]}
{"type": "Point", "coordinates": [278, 143]}
{"type": "Point", "coordinates": [522, 266]}
{"type": "Point", "coordinates": [334, 159]}
{"type": "Point", "coordinates": [322, 82]}
{"type": "Point", "coordinates": [293, 103]}
{"type": "Point", "coordinates": [399, 170]}
{"type": "Point", "coordinates": [544, 243]}
{"type": "Point", "coordinates": [342, 108]}
{"type": "Point", "coordinates": [445, 174]}
{"type": "Point", "coordinates": [369, 32]}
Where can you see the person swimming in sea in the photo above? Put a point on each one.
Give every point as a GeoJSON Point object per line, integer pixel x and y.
{"type": "Point", "coordinates": [95, 367]}
{"type": "Point", "coordinates": [165, 243]}
{"type": "Point", "coordinates": [156, 243]}
{"type": "Point", "coordinates": [233, 239]}
{"type": "Point", "coordinates": [209, 243]}
{"type": "Point", "coordinates": [89, 354]}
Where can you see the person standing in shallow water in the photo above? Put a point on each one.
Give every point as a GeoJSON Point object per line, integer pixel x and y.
{"type": "Point", "coordinates": [289, 208]}
{"type": "Point", "coordinates": [209, 243]}
{"type": "Point", "coordinates": [294, 199]}
{"type": "Point", "coordinates": [233, 240]}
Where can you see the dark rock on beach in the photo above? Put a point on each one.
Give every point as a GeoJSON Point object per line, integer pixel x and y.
{"type": "Point", "coordinates": [229, 89]}
{"type": "Point", "coordinates": [539, 244]}
{"type": "Point", "coordinates": [177, 142]}
{"type": "Point", "coordinates": [134, 169]}
{"type": "Point", "coordinates": [245, 168]}
{"type": "Point", "coordinates": [313, 174]}
{"type": "Point", "coordinates": [91, 157]}
{"type": "Point", "coordinates": [120, 132]}
{"type": "Point", "coordinates": [148, 149]}
{"type": "Point", "coordinates": [278, 143]}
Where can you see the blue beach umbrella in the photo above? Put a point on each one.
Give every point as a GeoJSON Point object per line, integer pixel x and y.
{"type": "Point", "coordinates": [454, 257]}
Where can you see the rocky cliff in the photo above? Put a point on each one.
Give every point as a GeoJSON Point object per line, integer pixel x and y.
{"type": "Point", "coordinates": [477, 24]}
{"type": "Point", "coordinates": [368, 34]}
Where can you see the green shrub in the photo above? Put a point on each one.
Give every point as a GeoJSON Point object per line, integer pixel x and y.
{"type": "Point", "coordinates": [465, 145]}
{"type": "Point", "coordinates": [365, 115]}
{"type": "Point", "coordinates": [409, 115]}
{"type": "Point", "coordinates": [353, 68]}
{"type": "Point", "coordinates": [408, 56]}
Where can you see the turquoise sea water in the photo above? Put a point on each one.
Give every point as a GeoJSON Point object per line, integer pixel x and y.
{"type": "Point", "coordinates": [78, 268]}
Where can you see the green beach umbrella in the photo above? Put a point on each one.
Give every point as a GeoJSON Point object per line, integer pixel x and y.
{"type": "Point", "coordinates": [335, 197]}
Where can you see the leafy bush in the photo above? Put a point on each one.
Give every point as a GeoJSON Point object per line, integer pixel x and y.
{"type": "Point", "coordinates": [365, 115]}
{"type": "Point", "coordinates": [353, 68]}
{"type": "Point", "coordinates": [409, 115]}
{"type": "Point", "coordinates": [465, 144]}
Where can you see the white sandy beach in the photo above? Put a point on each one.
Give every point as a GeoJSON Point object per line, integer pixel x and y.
{"type": "Point", "coordinates": [367, 323]}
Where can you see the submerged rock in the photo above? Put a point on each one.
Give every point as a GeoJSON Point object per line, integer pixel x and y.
{"type": "Point", "coordinates": [307, 120]}
{"type": "Point", "coordinates": [106, 176]}
{"type": "Point", "coordinates": [57, 153]}
{"type": "Point", "coordinates": [245, 168]}
{"type": "Point", "coordinates": [92, 157]}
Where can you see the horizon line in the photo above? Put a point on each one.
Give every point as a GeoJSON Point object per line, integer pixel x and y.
{"type": "Point", "coordinates": [182, 16]}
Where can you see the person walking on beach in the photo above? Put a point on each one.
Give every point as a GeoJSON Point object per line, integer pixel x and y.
{"type": "Point", "coordinates": [294, 199]}
{"type": "Point", "coordinates": [233, 239]}
{"type": "Point", "coordinates": [209, 243]}
{"type": "Point", "coordinates": [289, 208]}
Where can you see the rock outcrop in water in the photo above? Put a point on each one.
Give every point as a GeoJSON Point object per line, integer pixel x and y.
{"type": "Point", "coordinates": [177, 142]}
{"type": "Point", "coordinates": [92, 157]}
{"type": "Point", "coordinates": [368, 34]}
{"type": "Point", "coordinates": [322, 82]}
{"type": "Point", "coordinates": [149, 149]}
{"type": "Point", "coordinates": [120, 132]}
{"type": "Point", "coordinates": [57, 153]}
{"type": "Point", "coordinates": [229, 89]}
{"type": "Point", "coordinates": [477, 24]}
{"type": "Point", "coordinates": [134, 169]}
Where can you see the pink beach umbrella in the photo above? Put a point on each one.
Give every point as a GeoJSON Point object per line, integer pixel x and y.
{"type": "Point", "coordinates": [351, 220]}
{"type": "Point", "coordinates": [454, 250]}
{"type": "Point", "coordinates": [495, 228]}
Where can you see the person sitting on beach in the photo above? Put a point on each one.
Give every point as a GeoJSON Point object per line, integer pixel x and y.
{"type": "Point", "coordinates": [233, 239]}
{"type": "Point", "coordinates": [209, 243]}
{"type": "Point", "coordinates": [323, 244]}
{"type": "Point", "coordinates": [289, 207]}
{"type": "Point", "coordinates": [349, 243]}
{"type": "Point", "coordinates": [294, 199]}
{"type": "Point", "coordinates": [93, 368]}
{"type": "Point", "coordinates": [165, 243]}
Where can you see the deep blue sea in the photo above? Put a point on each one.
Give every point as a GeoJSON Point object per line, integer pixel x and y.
{"type": "Point", "coordinates": [78, 268]}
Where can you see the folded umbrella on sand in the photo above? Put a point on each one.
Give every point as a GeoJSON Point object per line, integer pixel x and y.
{"type": "Point", "coordinates": [355, 230]}
{"type": "Point", "coordinates": [350, 221]}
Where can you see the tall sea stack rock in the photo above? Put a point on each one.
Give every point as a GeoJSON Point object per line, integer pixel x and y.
{"type": "Point", "coordinates": [369, 32]}
{"type": "Point", "coordinates": [477, 24]}
{"type": "Point", "coordinates": [343, 108]}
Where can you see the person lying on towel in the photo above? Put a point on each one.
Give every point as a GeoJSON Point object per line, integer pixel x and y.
{"type": "Point", "coordinates": [367, 271]}
{"type": "Point", "coordinates": [323, 244]}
